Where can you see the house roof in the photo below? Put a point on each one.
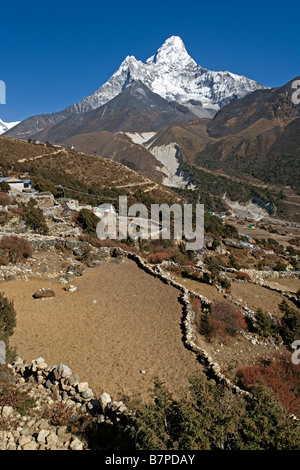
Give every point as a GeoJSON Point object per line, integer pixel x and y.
{"type": "Point", "coordinates": [12, 179]}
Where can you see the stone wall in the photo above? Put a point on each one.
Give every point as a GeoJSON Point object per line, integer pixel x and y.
{"type": "Point", "coordinates": [213, 369]}
{"type": "Point", "coordinates": [48, 387]}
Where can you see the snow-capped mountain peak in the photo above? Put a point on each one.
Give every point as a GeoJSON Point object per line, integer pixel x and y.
{"type": "Point", "coordinates": [172, 51]}
{"type": "Point", "coordinates": [175, 76]}
{"type": "Point", "coordinates": [170, 73]}
{"type": "Point", "coordinates": [5, 126]}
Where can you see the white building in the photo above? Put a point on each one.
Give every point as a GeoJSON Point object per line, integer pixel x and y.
{"type": "Point", "coordinates": [17, 184]}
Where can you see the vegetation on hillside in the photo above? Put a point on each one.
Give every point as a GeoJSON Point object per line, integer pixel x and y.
{"type": "Point", "coordinates": [276, 169]}
{"type": "Point", "coordinates": [211, 189]}
{"type": "Point", "coordinates": [213, 418]}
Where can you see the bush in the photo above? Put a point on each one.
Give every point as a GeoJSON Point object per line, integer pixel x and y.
{"type": "Point", "coordinates": [4, 199]}
{"type": "Point", "coordinates": [42, 184]}
{"type": "Point", "coordinates": [4, 186]}
{"type": "Point", "coordinates": [87, 220]}
{"type": "Point", "coordinates": [290, 323]}
{"type": "Point", "coordinates": [7, 318]}
{"type": "Point", "coordinates": [11, 396]}
{"type": "Point", "coordinates": [14, 249]}
{"type": "Point", "coordinates": [280, 375]}
{"type": "Point", "coordinates": [224, 319]}
{"type": "Point", "coordinates": [213, 418]}
{"type": "Point", "coordinates": [213, 264]}
{"type": "Point", "coordinates": [265, 324]}
{"type": "Point", "coordinates": [35, 220]}
{"type": "Point", "coordinates": [224, 282]}
{"type": "Point", "coordinates": [157, 258]}
{"type": "Point", "coordinates": [280, 266]}
{"type": "Point", "coordinates": [243, 276]}
{"type": "Point", "coordinates": [233, 262]}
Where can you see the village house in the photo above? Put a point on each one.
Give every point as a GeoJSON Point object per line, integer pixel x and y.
{"type": "Point", "coordinates": [17, 184]}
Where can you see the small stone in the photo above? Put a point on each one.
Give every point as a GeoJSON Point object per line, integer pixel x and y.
{"type": "Point", "coordinates": [87, 394]}
{"type": "Point", "coordinates": [61, 371]}
{"type": "Point", "coordinates": [24, 440]}
{"type": "Point", "coordinates": [40, 363]}
{"type": "Point", "coordinates": [73, 380]}
{"type": "Point", "coordinates": [105, 399]}
{"type": "Point", "coordinates": [122, 408]}
{"type": "Point", "coordinates": [63, 434]}
{"type": "Point", "coordinates": [42, 424]}
{"type": "Point", "coordinates": [42, 436]}
{"type": "Point", "coordinates": [32, 445]}
{"type": "Point", "coordinates": [82, 387]}
{"type": "Point", "coordinates": [7, 411]}
{"type": "Point", "coordinates": [76, 444]}
{"type": "Point", "coordinates": [52, 439]}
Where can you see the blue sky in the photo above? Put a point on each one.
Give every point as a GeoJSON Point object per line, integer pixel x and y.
{"type": "Point", "coordinates": [55, 54]}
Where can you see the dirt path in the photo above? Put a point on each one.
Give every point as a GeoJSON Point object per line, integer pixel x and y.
{"type": "Point", "coordinates": [119, 321]}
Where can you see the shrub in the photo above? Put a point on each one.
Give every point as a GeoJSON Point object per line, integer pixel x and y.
{"type": "Point", "coordinates": [280, 266]}
{"type": "Point", "coordinates": [212, 419]}
{"type": "Point", "coordinates": [192, 274]}
{"type": "Point", "coordinates": [11, 396]}
{"type": "Point", "coordinates": [224, 319]}
{"type": "Point", "coordinates": [157, 258]}
{"type": "Point", "coordinates": [4, 199]}
{"type": "Point", "coordinates": [15, 249]}
{"type": "Point", "coordinates": [88, 220]}
{"type": "Point", "coordinates": [213, 264]}
{"type": "Point", "coordinates": [224, 282]}
{"type": "Point", "coordinates": [290, 323]}
{"type": "Point", "coordinates": [233, 262]}
{"type": "Point", "coordinates": [243, 276]}
{"type": "Point", "coordinates": [189, 263]}
{"type": "Point", "coordinates": [7, 318]}
{"type": "Point", "coordinates": [35, 220]}
{"type": "Point", "coordinates": [42, 184]}
{"type": "Point", "coordinates": [4, 186]}
{"type": "Point", "coordinates": [280, 375]}
{"type": "Point", "coordinates": [265, 324]}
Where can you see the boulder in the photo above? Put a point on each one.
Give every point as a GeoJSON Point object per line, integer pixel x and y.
{"type": "Point", "coordinates": [61, 371]}
{"type": "Point", "coordinates": [105, 399]}
{"type": "Point", "coordinates": [82, 387]}
{"type": "Point", "coordinates": [44, 293]}
{"type": "Point", "coordinates": [7, 411]}
{"type": "Point", "coordinates": [76, 269]}
{"type": "Point", "coordinates": [76, 444]}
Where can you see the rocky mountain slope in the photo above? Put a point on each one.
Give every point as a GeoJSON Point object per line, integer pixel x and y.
{"type": "Point", "coordinates": [136, 109]}
{"type": "Point", "coordinates": [85, 175]}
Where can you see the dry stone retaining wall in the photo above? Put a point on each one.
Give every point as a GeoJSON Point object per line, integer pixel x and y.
{"type": "Point", "coordinates": [49, 386]}
{"type": "Point", "coordinates": [213, 369]}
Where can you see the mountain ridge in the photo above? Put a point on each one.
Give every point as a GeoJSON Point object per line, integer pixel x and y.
{"type": "Point", "coordinates": [187, 83]}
